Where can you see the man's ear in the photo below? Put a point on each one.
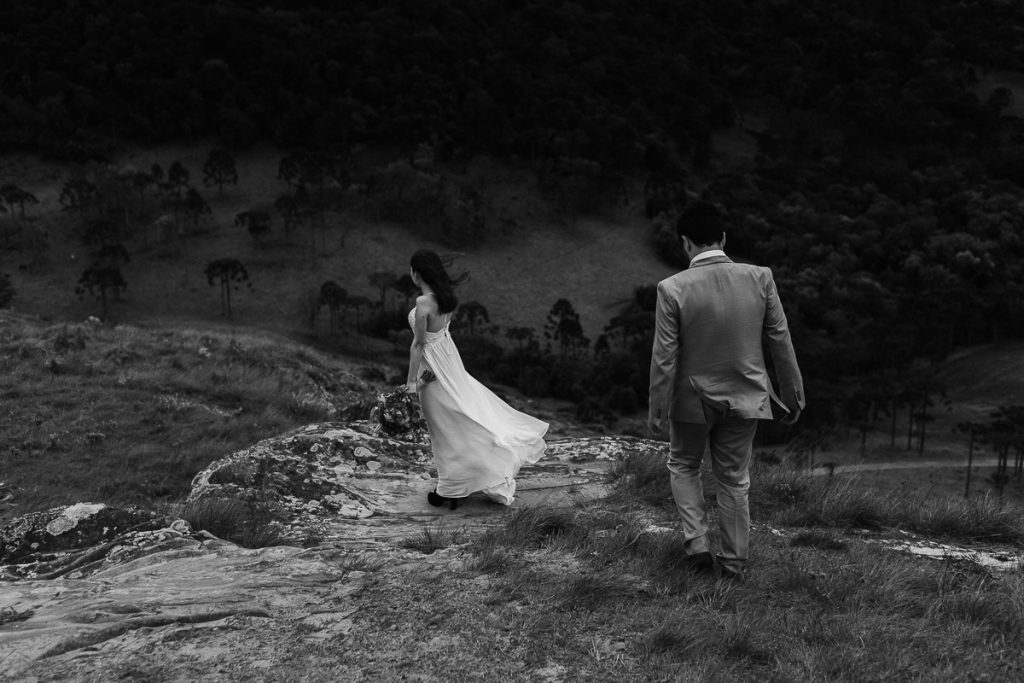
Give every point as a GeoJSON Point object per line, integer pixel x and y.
{"type": "Point", "coordinates": [723, 240]}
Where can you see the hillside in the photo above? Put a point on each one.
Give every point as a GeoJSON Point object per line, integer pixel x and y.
{"type": "Point", "coordinates": [516, 273]}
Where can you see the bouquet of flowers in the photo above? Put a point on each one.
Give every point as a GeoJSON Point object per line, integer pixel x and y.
{"type": "Point", "coordinates": [397, 413]}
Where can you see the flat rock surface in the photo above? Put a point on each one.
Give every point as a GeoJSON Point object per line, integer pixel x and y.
{"type": "Point", "coordinates": [191, 606]}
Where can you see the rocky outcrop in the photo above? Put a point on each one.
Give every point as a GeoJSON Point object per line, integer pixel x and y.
{"type": "Point", "coordinates": [308, 485]}
{"type": "Point", "coordinates": [57, 541]}
{"type": "Point", "coordinates": [90, 582]}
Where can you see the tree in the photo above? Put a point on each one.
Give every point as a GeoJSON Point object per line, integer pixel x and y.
{"type": "Point", "coordinates": [974, 431]}
{"type": "Point", "coordinates": [195, 207]}
{"type": "Point", "coordinates": [406, 286]}
{"type": "Point", "coordinates": [15, 196]}
{"type": "Point", "coordinates": [177, 178]}
{"type": "Point", "coordinates": [334, 297]}
{"type": "Point", "coordinates": [563, 326]}
{"type": "Point", "coordinates": [471, 314]}
{"type": "Point", "coordinates": [78, 195]}
{"type": "Point", "coordinates": [257, 223]}
{"type": "Point", "coordinates": [289, 171]}
{"type": "Point", "coordinates": [228, 273]}
{"type": "Point", "coordinates": [527, 347]}
{"type": "Point", "coordinates": [101, 281]}
{"type": "Point", "coordinates": [219, 170]}
{"type": "Point", "coordinates": [383, 281]}
{"type": "Point", "coordinates": [288, 208]}
{"type": "Point", "coordinates": [6, 290]}
{"type": "Point", "coordinates": [359, 305]}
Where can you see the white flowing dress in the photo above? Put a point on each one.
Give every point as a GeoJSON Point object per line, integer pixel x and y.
{"type": "Point", "coordinates": [479, 442]}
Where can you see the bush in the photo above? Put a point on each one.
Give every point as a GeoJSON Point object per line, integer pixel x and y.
{"type": "Point", "coordinates": [250, 525]}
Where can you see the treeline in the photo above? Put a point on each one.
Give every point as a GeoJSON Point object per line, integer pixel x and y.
{"type": "Point", "coordinates": [885, 191]}
{"type": "Point", "coordinates": [604, 80]}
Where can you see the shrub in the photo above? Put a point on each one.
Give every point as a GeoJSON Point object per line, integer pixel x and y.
{"type": "Point", "coordinates": [250, 525]}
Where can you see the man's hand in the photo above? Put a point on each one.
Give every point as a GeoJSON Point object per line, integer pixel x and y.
{"type": "Point", "coordinates": [793, 416]}
{"type": "Point", "coordinates": [654, 425]}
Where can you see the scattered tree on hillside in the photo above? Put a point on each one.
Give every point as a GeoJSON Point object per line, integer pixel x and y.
{"type": "Point", "coordinates": [288, 208]}
{"type": "Point", "coordinates": [228, 273]}
{"type": "Point", "coordinates": [975, 432]}
{"type": "Point", "coordinates": [6, 290]}
{"type": "Point", "coordinates": [1004, 432]}
{"type": "Point", "coordinates": [15, 196]}
{"type": "Point", "coordinates": [289, 171]}
{"type": "Point", "coordinates": [358, 305]}
{"type": "Point", "coordinates": [257, 223]}
{"type": "Point", "coordinates": [334, 297]}
{"type": "Point", "coordinates": [563, 327]}
{"type": "Point", "coordinates": [101, 281]}
{"type": "Point", "coordinates": [78, 195]}
{"type": "Point", "coordinates": [219, 170]}
{"type": "Point", "coordinates": [195, 207]}
{"type": "Point", "coordinates": [383, 281]}
{"type": "Point", "coordinates": [470, 315]}
{"type": "Point", "coordinates": [139, 182]}
{"type": "Point", "coordinates": [407, 288]}
{"type": "Point", "coordinates": [177, 177]}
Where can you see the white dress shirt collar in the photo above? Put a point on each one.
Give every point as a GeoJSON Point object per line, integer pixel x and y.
{"type": "Point", "coordinates": [710, 253]}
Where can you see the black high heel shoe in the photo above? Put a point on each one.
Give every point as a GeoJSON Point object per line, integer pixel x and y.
{"type": "Point", "coordinates": [437, 501]}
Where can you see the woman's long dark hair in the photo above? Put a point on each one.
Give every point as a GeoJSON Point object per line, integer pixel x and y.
{"type": "Point", "coordinates": [431, 269]}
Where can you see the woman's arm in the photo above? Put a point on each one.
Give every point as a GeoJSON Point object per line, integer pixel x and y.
{"type": "Point", "coordinates": [419, 334]}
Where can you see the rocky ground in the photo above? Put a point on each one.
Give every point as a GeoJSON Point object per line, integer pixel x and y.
{"type": "Point", "coordinates": [95, 593]}
{"type": "Point", "coordinates": [361, 580]}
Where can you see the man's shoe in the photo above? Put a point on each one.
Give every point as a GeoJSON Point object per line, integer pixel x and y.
{"type": "Point", "coordinates": [699, 563]}
{"type": "Point", "coordinates": [723, 573]}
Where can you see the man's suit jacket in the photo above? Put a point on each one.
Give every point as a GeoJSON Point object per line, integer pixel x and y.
{"type": "Point", "coordinates": [711, 319]}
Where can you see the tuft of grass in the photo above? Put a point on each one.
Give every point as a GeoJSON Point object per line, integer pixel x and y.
{"type": "Point", "coordinates": [250, 525]}
{"type": "Point", "coordinates": [595, 589]}
{"type": "Point", "coordinates": [435, 536]}
{"type": "Point", "coordinates": [531, 527]}
{"type": "Point", "coordinates": [643, 477]}
{"type": "Point", "coordinates": [679, 635]}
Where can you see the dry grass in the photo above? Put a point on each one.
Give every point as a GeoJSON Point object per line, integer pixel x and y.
{"type": "Point", "coordinates": [792, 497]}
{"type": "Point", "coordinates": [592, 602]}
{"type": "Point", "coordinates": [128, 415]}
{"type": "Point", "coordinates": [250, 525]}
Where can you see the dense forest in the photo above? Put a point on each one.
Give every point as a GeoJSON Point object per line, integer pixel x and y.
{"type": "Point", "coordinates": [885, 192]}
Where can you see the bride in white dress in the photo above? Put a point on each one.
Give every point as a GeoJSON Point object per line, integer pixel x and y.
{"type": "Point", "coordinates": [479, 442]}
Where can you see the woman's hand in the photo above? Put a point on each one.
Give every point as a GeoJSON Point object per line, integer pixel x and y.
{"type": "Point", "coordinates": [411, 387]}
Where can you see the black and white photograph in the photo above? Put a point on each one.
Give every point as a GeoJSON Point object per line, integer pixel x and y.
{"type": "Point", "coordinates": [511, 340]}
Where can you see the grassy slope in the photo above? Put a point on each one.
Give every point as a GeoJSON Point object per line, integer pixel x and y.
{"type": "Point", "coordinates": [129, 414]}
{"type": "Point", "coordinates": [518, 275]}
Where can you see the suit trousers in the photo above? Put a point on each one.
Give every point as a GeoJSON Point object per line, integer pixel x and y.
{"type": "Point", "coordinates": [731, 442]}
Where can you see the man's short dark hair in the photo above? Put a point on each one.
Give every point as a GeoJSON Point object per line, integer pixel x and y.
{"type": "Point", "coordinates": [702, 222]}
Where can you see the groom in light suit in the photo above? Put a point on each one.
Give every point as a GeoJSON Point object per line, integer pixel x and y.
{"type": "Point", "coordinates": [708, 379]}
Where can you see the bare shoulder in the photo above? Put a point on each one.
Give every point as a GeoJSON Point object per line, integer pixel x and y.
{"type": "Point", "coordinates": [426, 304]}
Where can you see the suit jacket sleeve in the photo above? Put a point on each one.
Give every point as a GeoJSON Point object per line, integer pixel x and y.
{"type": "Point", "coordinates": [664, 356]}
{"type": "Point", "coordinates": [780, 345]}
